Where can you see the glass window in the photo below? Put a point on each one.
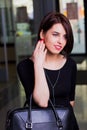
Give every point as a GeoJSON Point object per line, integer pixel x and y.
{"type": "Point", "coordinates": [74, 10]}
{"type": "Point", "coordinates": [7, 19]}
{"type": "Point", "coordinates": [24, 20]}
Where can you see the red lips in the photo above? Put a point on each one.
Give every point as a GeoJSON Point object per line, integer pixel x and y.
{"type": "Point", "coordinates": [57, 47]}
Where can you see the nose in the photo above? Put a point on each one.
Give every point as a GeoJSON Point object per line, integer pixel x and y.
{"type": "Point", "coordinates": [60, 39]}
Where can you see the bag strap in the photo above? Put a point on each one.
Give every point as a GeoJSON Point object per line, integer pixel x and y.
{"type": "Point", "coordinates": [29, 121]}
{"type": "Point", "coordinates": [58, 120]}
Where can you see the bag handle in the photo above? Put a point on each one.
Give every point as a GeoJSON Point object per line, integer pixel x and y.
{"type": "Point", "coordinates": [29, 121]}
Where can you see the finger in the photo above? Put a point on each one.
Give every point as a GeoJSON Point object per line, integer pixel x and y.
{"type": "Point", "coordinates": [45, 51]}
{"type": "Point", "coordinates": [42, 46]}
{"type": "Point", "coordinates": [37, 45]}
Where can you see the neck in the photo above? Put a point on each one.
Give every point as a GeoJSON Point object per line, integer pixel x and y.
{"type": "Point", "coordinates": [54, 61]}
{"type": "Point", "coordinates": [51, 61]}
{"type": "Point", "coordinates": [53, 57]}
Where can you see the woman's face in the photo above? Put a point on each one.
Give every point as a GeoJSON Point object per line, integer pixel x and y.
{"type": "Point", "coordinates": [55, 38]}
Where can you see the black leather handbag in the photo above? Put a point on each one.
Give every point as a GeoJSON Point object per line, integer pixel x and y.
{"type": "Point", "coordinates": [28, 118]}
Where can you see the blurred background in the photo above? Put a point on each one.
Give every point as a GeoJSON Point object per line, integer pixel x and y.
{"type": "Point", "coordinates": [19, 22]}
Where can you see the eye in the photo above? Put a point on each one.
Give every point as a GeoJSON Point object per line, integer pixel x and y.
{"type": "Point", "coordinates": [55, 34]}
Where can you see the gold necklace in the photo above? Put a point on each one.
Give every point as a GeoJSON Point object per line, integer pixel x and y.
{"type": "Point", "coordinates": [53, 85]}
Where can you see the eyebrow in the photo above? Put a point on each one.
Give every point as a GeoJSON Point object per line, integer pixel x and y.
{"type": "Point", "coordinates": [59, 33]}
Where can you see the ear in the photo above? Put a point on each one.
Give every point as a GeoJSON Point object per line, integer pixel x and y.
{"type": "Point", "coordinates": [41, 34]}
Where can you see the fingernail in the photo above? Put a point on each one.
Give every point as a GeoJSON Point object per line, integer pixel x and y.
{"type": "Point", "coordinates": [42, 40]}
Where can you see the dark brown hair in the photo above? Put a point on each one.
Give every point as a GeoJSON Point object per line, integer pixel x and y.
{"type": "Point", "coordinates": [53, 18]}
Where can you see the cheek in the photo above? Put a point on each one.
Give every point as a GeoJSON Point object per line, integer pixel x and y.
{"type": "Point", "coordinates": [64, 42]}
{"type": "Point", "coordinates": [50, 40]}
{"type": "Point", "coordinates": [47, 41]}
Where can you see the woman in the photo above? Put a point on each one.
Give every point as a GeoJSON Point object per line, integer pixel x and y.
{"type": "Point", "coordinates": [51, 72]}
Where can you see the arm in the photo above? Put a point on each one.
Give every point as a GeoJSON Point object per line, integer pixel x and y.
{"type": "Point", "coordinates": [41, 91]}
{"type": "Point", "coordinates": [25, 72]}
{"type": "Point", "coordinates": [73, 85]}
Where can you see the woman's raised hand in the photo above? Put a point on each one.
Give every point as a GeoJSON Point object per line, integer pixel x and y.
{"type": "Point", "coordinates": [39, 53]}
